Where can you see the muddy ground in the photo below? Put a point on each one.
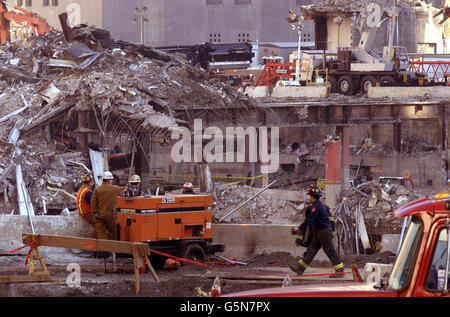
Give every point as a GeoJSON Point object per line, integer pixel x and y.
{"type": "Point", "coordinates": [181, 282]}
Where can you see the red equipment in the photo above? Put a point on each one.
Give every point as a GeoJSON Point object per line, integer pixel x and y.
{"type": "Point", "coordinates": [273, 72]}
{"type": "Point", "coordinates": [28, 19]}
{"type": "Point", "coordinates": [440, 70]}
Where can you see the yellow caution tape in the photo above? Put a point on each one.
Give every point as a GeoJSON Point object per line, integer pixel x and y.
{"type": "Point", "coordinates": [196, 176]}
{"type": "Point", "coordinates": [256, 177]}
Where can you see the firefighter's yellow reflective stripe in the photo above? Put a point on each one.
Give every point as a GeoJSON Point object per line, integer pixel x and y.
{"type": "Point", "coordinates": [300, 237]}
{"type": "Point", "coordinates": [79, 202]}
{"type": "Point", "coordinates": [331, 218]}
{"type": "Point", "coordinates": [405, 78]}
{"type": "Point", "coordinates": [306, 265]}
{"type": "Point", "coordinates": [339, 266]}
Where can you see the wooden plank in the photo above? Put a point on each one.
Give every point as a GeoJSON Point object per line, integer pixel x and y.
{"type": "Point", "coordinates": [269, 277]}
{"type": "Point", "coordinates": [24, 278]}
{"type": "Point", "coordinates": [136, 269]}
{"type": "Point", "coordinates": [86, 243]}
{"type": "Point", "coordinates": [150, 267]}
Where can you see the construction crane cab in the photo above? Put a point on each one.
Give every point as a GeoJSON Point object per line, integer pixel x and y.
{"type": "Point", "coordinates": [26, 20]}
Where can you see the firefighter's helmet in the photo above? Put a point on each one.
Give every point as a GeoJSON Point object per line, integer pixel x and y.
{"type": "Point", "coordinates": [135, 179]}
{"type": "Point", "coordinates": [87, 179]}
{"type": "Point", "coordinates": [188, 185]}
{"type": "Point", "coordinates": [107, 175]}
{"type": "Point", "coordinates": [314, 190]}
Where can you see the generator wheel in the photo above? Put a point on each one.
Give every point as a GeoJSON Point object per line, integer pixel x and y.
{"type": "Point", "coordinates": [194, 252]}
{"type": "Point", "coordinates": [346, 85]}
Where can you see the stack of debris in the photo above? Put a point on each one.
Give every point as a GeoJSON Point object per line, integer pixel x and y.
{"type": "Point", "coordinates": [376, 201]}
{"type": "Point", "coordinates": [271, 207]}
{"type": "Point", "coordinates": [45, 83]}
{"type": "Point", "coordinates": [411, 145]}
{"type": "Point", "coordinates": [356, 6]}
{"type": "Point", "coordinates": [366, 212]}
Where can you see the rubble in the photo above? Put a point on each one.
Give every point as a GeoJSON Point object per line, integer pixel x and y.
{"type": "Point", "coordinates": [376, 201]}
{"type": "Point", "coordinates": [266, 208]}
{"type": "Point", "coordinates": [356, 6]}
{"type": "Point", "coordinates": [130, 87]}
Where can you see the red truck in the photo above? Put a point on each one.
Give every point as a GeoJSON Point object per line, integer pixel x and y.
{"type": "Point", "coordinates": [420, 267]}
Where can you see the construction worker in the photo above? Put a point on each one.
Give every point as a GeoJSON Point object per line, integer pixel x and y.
{"type": "Point", "coordinates": [83, 201]}
{"type": "Point", "coordinates": [134, 189]}
{"type": "Point", "coordinates": [188, 188]}
{"type": "Point", "coordinates": [103, 205]}
{"type": "Point", "coordinates": [321, 225]}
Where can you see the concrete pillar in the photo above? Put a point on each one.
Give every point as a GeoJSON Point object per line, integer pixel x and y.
{"type": "Point", "coordinates": [333, 172]}
{"type": "Point", "coordinates": [345, 155]}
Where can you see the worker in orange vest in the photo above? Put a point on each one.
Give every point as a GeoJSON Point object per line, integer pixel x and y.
{"type": "Point", "coordinates": [83, 201]}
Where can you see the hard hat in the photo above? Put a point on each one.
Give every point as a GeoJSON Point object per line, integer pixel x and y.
{"type": "Point", "coordinates": [314, 190]}
{"type": "Point", "coordinates": [87, 179]}
{"type": "Point", "coordinates": [135, 179]}
{"type": "Point", "coordinates": [188, 185]}
{"type": "Point", "coordinates": [107, 175]}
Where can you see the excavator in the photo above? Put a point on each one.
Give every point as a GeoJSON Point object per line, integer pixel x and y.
{"type": "Point", "coordinates": [25, 19]}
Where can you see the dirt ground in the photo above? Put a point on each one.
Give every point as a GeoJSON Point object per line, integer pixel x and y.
{"type": "Point", "coordinates": [181, 282]}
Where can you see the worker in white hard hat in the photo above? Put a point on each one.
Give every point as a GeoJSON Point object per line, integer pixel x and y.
{"type": "Point", "coordinates": [134, 187]}
{"type": "Point", "coordinates": [103, 206]}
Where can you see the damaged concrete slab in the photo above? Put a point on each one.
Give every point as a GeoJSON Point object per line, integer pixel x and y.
{"type": "Point", "coordinates": [405, 92]}
{"type": "Point", "coordinates": [301, 92]}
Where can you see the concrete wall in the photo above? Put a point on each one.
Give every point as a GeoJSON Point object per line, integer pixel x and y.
{"type": "Point", "coordinates": [185, 22]}
{"type": "Point", "coordinates": [415, 26]}
{"type": "Point", "coordinates": [12, 227]}
{"type": "Point", "coordinates": [242, 241]}
{"type": "Point", "coordinates": [339, 36]}
{"type": "Point", "coordinates": [79, 11]}
{"type": "Point", "coordinates": [247, 240]}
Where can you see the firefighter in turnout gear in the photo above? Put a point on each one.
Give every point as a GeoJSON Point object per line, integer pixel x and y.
{"type": "Point", "coordinates": [321, 223]}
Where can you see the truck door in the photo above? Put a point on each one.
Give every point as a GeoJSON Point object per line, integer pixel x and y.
{"type": "Point", "coordinates": [435, 278]}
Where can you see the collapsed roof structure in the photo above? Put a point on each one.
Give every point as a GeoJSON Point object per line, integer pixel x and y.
{"type": "Point", "coordinates": [61, 99]}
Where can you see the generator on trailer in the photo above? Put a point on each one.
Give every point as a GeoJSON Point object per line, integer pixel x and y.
{"type": "Point", "coordinates": [179, 225]}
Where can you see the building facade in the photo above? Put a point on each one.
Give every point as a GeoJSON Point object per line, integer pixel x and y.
{"type": "Point", "coordinates": [180, 22]}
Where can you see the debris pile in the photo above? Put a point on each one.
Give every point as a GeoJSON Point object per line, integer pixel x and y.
{"type": "Point", "coordinates": [356, 6]}
{"type": "Point", "coordinates": [46, 82]}
{"type": "Point", "coordinates": [378, 201]}
{"type": "Point", "coordinates": [267, 208]}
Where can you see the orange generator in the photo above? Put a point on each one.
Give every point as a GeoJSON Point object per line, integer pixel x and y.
{"type": "Point", "coordinates": [180, 225]}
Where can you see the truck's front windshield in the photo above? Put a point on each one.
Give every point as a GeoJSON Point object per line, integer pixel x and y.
{"type": "Point", "coordinates": [404, 265]}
